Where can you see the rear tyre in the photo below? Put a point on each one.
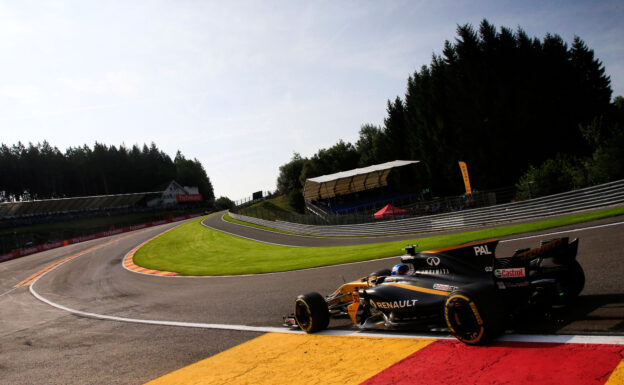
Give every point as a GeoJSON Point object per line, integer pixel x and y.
{"type": "Point", "coordinates": [570, 285]}
{"type": "Point", "coordinates": [471, 321]}
{"type": "Point", "coordinates": [311, 312]}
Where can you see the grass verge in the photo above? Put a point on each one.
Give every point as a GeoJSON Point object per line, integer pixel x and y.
{"type": "Point", "coordinates": [277, 207]}
{"type": "Point", "coordinates": [192, 249]}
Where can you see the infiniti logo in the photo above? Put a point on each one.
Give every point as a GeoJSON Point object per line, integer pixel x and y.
{"type": "Point", "coordinates": [433, 261]}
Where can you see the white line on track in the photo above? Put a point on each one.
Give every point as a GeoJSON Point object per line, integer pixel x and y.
{"type": "Point", "coordinates": [7, 292]}
{"type": "Point", "coordinates": [570, 339]}
{"type": "Point", "coordinates": [240, 236]}
{"type": "Point", "coordinates": [565, 231]}
{"type": "Point", "coordinates": [266, 230]}
{"type": "Point", "coordinates": [381, 237]}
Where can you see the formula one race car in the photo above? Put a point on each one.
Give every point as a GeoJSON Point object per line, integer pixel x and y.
{"type": "Point", "coordinates": [466, 288]}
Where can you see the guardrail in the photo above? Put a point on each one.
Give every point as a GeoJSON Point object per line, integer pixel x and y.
{"type": "Point", "coordinates": [321, 216]}
{"type": "Point", "coordinates": [576, 201]}
{"type": "Point", "coordinates": [247, 201]}
{"type": "Point", "coordinates": [83, 238]}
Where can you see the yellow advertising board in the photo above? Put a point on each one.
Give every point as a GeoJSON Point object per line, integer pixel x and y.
{"type": "Point", "coordinates": [464, 170]}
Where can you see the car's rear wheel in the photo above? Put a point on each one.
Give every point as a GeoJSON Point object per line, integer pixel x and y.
{"type": "Point", "coordinates": [472, 322]}
{"type": "Point", "coordinates": [311, 312]}
{"type": "Point", "coordinates": [570, 284]}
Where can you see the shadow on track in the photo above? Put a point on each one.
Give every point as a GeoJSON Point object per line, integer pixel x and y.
{"type": "Point", "coordinates": [589, 314]}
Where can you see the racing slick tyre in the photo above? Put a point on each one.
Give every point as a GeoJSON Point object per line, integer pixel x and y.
{"type": "Point", "coordinates": [471, 320]}
{"type": "Point", "coordinates": [570, 285]}
{"type": "Point", "coordinates": [311, 312]}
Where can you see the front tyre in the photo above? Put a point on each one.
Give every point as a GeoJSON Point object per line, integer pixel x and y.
{"type": "Point", "coordinates": [311, 312]}
{"type": "Point", "coordinates": [471, 322]}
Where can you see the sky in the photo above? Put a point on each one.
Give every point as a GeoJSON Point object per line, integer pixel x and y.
{"type": "Point", "coordinates": [243, 85]}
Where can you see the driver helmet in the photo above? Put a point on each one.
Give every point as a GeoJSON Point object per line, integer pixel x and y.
{"type": "Point", "coordinates": [400, 269]}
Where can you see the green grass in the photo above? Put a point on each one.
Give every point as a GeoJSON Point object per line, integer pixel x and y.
{"type": "Point", "coordinates": [192, 249]}
{"type": "Point", "coordinates": [282, 203]}
{"type": "Point", "coordinates": [272, 208]}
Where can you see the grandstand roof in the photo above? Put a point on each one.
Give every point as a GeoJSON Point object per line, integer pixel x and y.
{"type": "Point", "coordinates": [352, 181]}
{"type": "Point", "coordinates": [15, 209]}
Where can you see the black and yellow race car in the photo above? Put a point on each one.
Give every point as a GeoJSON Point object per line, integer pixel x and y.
{"type": "Point", "coordinates": [464, 288]}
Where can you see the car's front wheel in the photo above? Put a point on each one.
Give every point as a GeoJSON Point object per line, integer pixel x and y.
{"type": "Point", "coordinates": [311, 312]}
{"type": "Point", "coordinates": [472, 322]}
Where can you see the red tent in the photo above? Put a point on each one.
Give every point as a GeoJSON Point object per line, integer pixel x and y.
{"type": "Point", "coordinates": [390, 211]}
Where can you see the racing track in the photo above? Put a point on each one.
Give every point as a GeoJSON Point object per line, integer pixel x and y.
{"type": "Point", "coordinates": [43, 344]}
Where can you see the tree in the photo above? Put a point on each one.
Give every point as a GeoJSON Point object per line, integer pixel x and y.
{"type": "Point", "coordinates": [499, 101]}
{"type": "Point", "coordinates": [340, 157]}
{"type": "Point", "coordinates": [371, 146]}
{"type": "Point", "coordinates": [605, 136]}
{"type": "Point", "coordinates": [289, 181]}
{"type": "Point", "coordinates": [495, 98]}
{"type": "Point", "coordinates": [397, 133]}
{"type": "Point", "coordinates": [224, 203]}
{"type": "Point", "coordinates": [42, 171]}
{"type": "Point", "coordinates": [192, 173]}
{"type": "Point", "coordinates": [289, 174]}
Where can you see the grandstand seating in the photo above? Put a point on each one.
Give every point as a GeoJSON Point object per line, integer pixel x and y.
{"type": "Point", "coordinates": [53, 210]}
{"type": "Point", "coordinates": [67, 205]}
{"type": "Point", "coordinates": [364, 203]}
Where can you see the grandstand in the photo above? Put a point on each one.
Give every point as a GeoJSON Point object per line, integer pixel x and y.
{"type": "Point", "coordinates": [38, 211]}
{"type": "Point", "coordinates": [68, 205]}
{"type": "Point", "coordinates": [364, 202]}
{"type": "Point", "coordinates": [30, 223]}
{"type": "Point", "coordinates": [354, 190]}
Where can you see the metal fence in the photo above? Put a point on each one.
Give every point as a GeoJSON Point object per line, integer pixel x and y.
{"type": "Point", "coordinates": [590, 198]}
{"type": "Point", "coordinates": [319, 215]}
{"type": "Point", "coordinates": [18, 234]}
{"type": "Point", "coordinates": [244, 202]}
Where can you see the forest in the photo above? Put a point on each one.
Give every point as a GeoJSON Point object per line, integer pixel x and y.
{"type": "Point", "coordinates": [44, 172]}
{"type": "Point", "coordinates": [518, 110]}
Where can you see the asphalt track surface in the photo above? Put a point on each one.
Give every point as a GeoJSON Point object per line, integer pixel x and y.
{"type": "Point", "coordinates": [41, 344]}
